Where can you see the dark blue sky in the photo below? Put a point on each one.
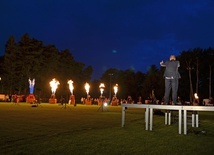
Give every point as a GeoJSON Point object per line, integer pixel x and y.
{"type": "Point", "coordinates": [121, 34]}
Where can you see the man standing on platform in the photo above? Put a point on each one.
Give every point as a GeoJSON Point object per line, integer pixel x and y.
{"type": "Point", "coordinates": [171, 76]}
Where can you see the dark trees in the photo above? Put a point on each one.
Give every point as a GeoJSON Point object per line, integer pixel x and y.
{"type": "Point", "coordinates": [30, 58]}
{"type": "Point", "coordinates": [196, 73]}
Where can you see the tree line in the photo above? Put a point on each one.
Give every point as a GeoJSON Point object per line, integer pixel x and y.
{"type": "Point", "coordinates": [30, 58]}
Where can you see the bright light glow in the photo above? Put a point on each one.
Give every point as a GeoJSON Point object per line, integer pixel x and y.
{"type": "Point", "coordinates": [196, 96]}
{"type": "Point", "coordinates": [105, 104]}
{"type": "Point", "coordinates": [31, 85]}
{"type": "Point", "coordinates": [102, 86]}
{"type": "Point", "coordinates": [116, 89]}
{"type": "Point", "coordinates": [54, 85]}
{"type": "Point", "coordinates": [87, 87]}
{"type": "Point", "coordinates": [71, 87]}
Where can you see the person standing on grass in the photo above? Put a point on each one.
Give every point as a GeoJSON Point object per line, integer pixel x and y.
{"type": "Point", "coordinates": [171, 76]}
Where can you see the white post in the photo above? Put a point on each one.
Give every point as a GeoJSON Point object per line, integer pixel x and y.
{"type": "Point", "coordinates": [165, 117]}
{"type": "Point", "coordinates": [147, 118]}
{"type": "Point", "coordinates": [197, 120]}
{"type": "Point", "coordinates": [193, 119]}
{"type": "Point", "coordinates": [145, 114]}
{"type": "Point", "coordinates": [185, 122]}
{"type": "Point", "coordinates": [179, 121]}
{"type": "Point", "coordinates": [169, 122]}
{"type": "Point", "coordinates": [151, 118]}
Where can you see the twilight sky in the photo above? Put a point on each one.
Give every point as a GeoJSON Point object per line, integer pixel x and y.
{"type": "Point", "coordinates": [120, 34]}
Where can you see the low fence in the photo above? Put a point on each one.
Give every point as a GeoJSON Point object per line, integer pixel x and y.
{"type": "Point", "coordinates": [182, 113]}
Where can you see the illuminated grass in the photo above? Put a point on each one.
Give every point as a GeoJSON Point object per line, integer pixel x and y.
{"type": "Point", "coordinates": [51, 129]}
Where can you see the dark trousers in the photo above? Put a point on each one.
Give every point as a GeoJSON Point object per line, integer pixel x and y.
{"type": "Point", "coordinates": [171, 84]}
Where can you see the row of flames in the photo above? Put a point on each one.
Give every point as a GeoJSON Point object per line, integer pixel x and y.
{"type": "Point", "coordinates": [54, 85]}
{"type": "Point", "coordinates": [102, 87]}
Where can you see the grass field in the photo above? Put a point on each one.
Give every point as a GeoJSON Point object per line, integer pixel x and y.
{"type": "Point", "coordinates": [51, 129]}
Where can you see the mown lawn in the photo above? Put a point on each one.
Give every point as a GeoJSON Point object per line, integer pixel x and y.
{"type": "Point", "coordinates": [51, 129]}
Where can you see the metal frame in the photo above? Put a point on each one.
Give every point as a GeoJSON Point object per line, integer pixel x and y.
{"type": "Point", "coordinates": [149, 114]}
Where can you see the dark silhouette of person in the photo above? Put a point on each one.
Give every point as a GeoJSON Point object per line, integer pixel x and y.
{"type": "Point", "coordinates": [171, 76]}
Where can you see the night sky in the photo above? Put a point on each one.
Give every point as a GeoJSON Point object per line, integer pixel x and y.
{"type": "Point", "coordinates": [121, 34]}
